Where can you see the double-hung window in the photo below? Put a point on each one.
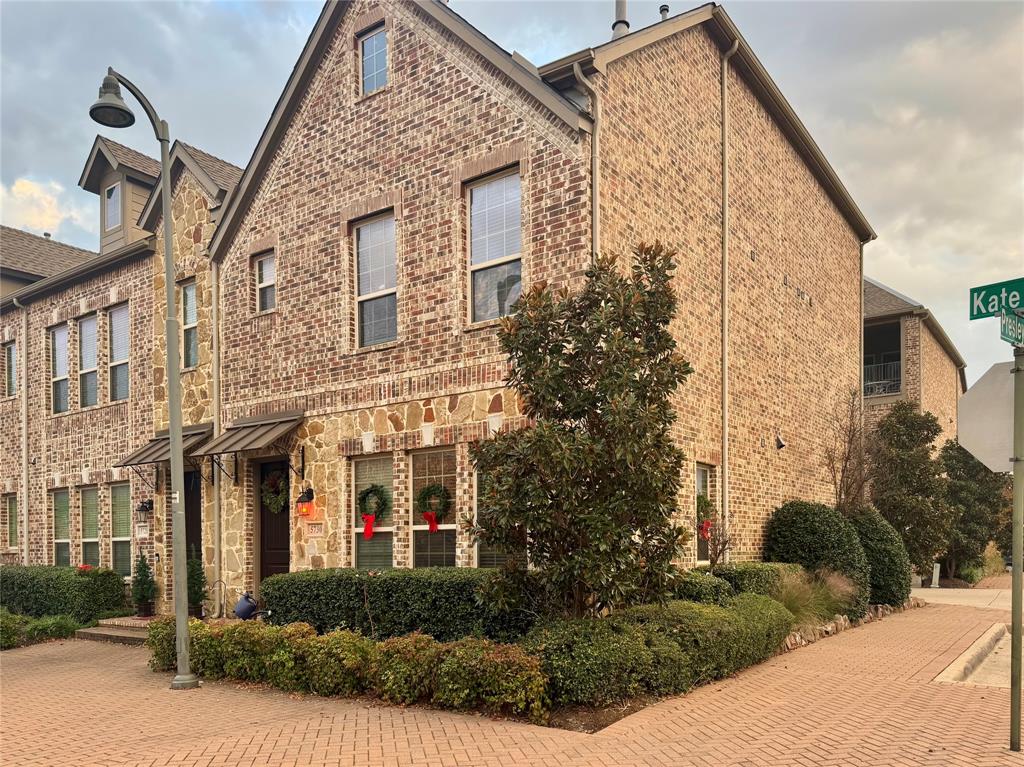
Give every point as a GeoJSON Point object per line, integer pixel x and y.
{"type": "Point", "coordinates": [87, 389]}
{"type": "Point", "coordinates": [705, 510]}
{"type": "Point", "coordinates": [377, 551]}
{"type": "Point", "coordinates": [112, 207]}
{"type": "Point", "coordinates": [117, 352]}
{"type": "Point", "coordinates": [495, 246]}
{"type": "Point", "coordinates": [189, 325]}
{"type": "Point", "coordinates": [376, 295]}
{"type": "Point", "coordinates": [11, 509]}
{"type": "Point", "coordinates": [373, 60]}
{"type": "Point", "coordinates": [121, 529]}
{"type": "Point", "coordinates": [61, 528]}
{"type": "Point", "coordinates": [90, 527]}
{"type": "Point", "coordinates": [434, 549]}
{"type": "Point", "coordinates": [59, 369]}
{"type": "Point", "coordinates": [9, 369]}
{"type": "Point", "coordinates": [266, 282]}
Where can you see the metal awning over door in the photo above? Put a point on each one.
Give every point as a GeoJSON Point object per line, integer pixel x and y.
{"type": "Point", "coordinates": [158, 449]}
{"type": "Point", "coordinates": [256, 433]}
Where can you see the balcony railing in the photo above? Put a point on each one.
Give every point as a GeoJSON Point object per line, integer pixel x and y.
{"type": "Point", "coordinates": [884, 378]}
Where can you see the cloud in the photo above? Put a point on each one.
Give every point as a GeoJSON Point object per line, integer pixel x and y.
{"type": "Point", "coordinates": [43, 207]}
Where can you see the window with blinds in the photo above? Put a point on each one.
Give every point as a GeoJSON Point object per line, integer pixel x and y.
{"type": "Point", "coordinates": [437, 549]}
{"type": "Point", "coordinates": [90, 527]}
{"type": "Point", "coordinates": [11, 508]}
{"type": "Point", "coordinates": [189, 326]}
{"type": "Point", "coordinates": [117, 322]}
{"type": "Point", "coordinates": [61, 528]}
{"type": "Point", "coordinates": [486, 556]}
{"type": "Point", "coordinates": [495, 245]}
{"type": "Point", "coordinates": [378, 551]}
{"type": "Point", "coordinates": [121, 529]}
{"type": "Point", "coordinates": [59, 369]}
{"type": "Point", "coordinates": [376, 294]}
{"type": "Point", "coordinates": [10, 369]}
{"type": "Point", "coordinates": [87, 361]}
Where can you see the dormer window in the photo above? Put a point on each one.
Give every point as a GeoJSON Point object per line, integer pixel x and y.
{"type": "Point", "coordinates": [112, 206]}
{"type": "Point", "coordinates": [373, 57]}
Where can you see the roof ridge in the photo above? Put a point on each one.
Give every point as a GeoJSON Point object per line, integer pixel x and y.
{"type": "Point", "coordinates": [194, 148]}
{"type": "Point", "coordinates": [894, 292]}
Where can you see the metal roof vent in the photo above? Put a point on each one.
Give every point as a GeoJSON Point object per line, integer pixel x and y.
{"type": "Point", "coordinates": [620, 26]}
{"type": "Point", "coordinates": [664, 12]}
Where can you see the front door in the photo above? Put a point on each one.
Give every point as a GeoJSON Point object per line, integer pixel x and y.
{"type": "Point", "coordinates": [275, 518]}
{"type": "Point", "coordinates": [193, 515]}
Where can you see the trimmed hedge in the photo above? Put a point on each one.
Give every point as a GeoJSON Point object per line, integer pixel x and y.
{"type": "Point", "coordinates": [702, 587]}
{"type": "Point", "coordinates": [406, 668]}
{"type": "Point", "coordinates": [887, 557]}
{"type": "Point", "coordinates": [751, 577]}
{"type": "Point", "coordinates": [341, 663]}
{"type": "Point", "coordinates": [39, 590]}
{"type": "Point", "coordinates": [819, 538]}
{"type": "Point", "coordinates": [18, 630]}
{"type": "Point", "coordinates": [479, 674]}
{"type": "Point", "coordinates": [439, 601]}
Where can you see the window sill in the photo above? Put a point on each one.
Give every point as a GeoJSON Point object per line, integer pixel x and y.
{"type": "Point", "coordinates": [381, 347]}
{"type": "Point", "coordinates": [191, 369]}
{"type": "Point", "coordinates": [367, 96]}
{"type": "Point", "coordinates": [482, 325]}
{"type": "Point", "coordinates": [879, 399]}
{"type": "Point", "coordinates": [90, 409]}
{"type": "Point", "coordinates": [264, 313]}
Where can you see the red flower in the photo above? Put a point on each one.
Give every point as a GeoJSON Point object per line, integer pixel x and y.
{"type": "Point", "coordinates": [84, 568]}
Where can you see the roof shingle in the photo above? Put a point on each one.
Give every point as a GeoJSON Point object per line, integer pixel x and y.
{"type": "Point", "coordinates": [39, 256]}
{"type": "Point", "coordinates": [882, 301]}
{"type": "Point", "coordinates": [125, 155]}
{"type": "Point", "coordinates": [224, 174]}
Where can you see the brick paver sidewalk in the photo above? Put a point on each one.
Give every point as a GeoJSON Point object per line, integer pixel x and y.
{"type": "Point", "coordinates": [864, 697]}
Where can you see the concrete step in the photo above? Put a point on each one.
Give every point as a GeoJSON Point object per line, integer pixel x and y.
{"type": "Point", "coordinates": [114, 634]}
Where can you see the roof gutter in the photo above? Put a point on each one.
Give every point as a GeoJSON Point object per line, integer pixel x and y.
{"type": "Point", "coordinates": [23, 502]}
{"type": "Point", "coordinates": [595, 162]}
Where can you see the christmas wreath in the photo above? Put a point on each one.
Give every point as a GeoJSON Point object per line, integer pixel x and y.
{"type": "Point", "coordinates": [274, 492]}
{"type": "Point", "coordinates": [380, 507]}
{"type": "Point", "coordinates": [433, 514]}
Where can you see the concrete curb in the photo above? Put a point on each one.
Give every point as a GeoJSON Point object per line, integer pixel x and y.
{"type": "Point", "coordinates": [960, 669]}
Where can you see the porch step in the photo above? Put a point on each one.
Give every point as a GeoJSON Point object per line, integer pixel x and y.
{"type": "Point", "coordinates": [118, 635]}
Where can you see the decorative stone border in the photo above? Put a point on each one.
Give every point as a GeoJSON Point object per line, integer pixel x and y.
{"type": "Point", "coordinates": [840, 623]}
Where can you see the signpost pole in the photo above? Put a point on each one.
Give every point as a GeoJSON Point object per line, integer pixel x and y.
{"type": "Point", "coordinates": [1018, 544]}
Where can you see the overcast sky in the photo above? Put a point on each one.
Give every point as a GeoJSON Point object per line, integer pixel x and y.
{"type": "Point", "coordinates": [919, 106]}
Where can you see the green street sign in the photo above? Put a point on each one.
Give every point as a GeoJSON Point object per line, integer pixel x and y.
{"type": "Point", "coordinates": [1011, 328]}
{"type": "Point", "coordinates": [992, 300]}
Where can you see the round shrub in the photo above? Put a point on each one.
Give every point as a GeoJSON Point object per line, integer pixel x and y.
{"type": "Point", "coordinates": [819, 538]}
{"type": "Point", "coordinates": [163, 656]}
{"type": "Point", "coordinates": [206, 652]}
{"type": "Point", "coordinates": [752, 577]}
{"type": "Point", "coordinates": [340, 663]}
{"type": "Point", "coordinates": [247, 648]}
{"type": "Point", "coordinates": [501, 678]}
{"type": "Point", "coordinates": [406, 669]}
{"type": "Point", "coordinates": [887, 557]}
{"type": "Point", "coordinates": [12, 628]}
{"type": "Point", "coordinates": [702, 587]}
{"type": "Point", "coordinates": [286, 664]}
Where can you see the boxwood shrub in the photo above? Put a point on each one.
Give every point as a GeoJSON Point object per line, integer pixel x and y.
{"type": "Point", "coordinates": [701, 587]}
{"type": "Point", "coordinates": [18, 630]}
{"type": "Point", "coordinates": [819, 538]}
{"type": "Point", "coordinates": [751, 577]}
{"type": "Point", "coordinates": [502, 679]}
{"type": "Point", "coordinates": [406, 668]}
{"type": "Point", "coordinates": [887, 557]}
{"type": "Point", "coordinates": [39, 590]}
{"type": "Point", "coordinates": [439, 601]}
{"type": "Point", "coordinates": [341, 663]}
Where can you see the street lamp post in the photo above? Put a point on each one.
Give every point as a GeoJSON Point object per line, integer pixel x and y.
{"type": "Point", "coordinates": [111, 111]}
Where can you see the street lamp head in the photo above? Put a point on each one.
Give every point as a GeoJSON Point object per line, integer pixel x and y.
{"type": "Point", "coordinates": [110, 109]}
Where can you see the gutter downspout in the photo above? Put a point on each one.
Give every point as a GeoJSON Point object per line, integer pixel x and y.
{"type": "Point", "coordinates": [595, 166]}
{"type": "Point", "coordinates": [726, 521]}
{"type": "Point", "coordinates": [215, 353]}
{"type": "Point", "coordinates": [23, 505]}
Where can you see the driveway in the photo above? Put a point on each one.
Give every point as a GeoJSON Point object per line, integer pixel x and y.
{"type": "Point", "coordinates": [864, 697]}
{"type": "Point", "coordinates": [991, 598]}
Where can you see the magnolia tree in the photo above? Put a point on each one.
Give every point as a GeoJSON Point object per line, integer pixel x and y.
{"type": "Point", "coordinates": [588, 493]}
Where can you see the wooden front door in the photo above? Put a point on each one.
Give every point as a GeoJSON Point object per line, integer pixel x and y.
{"type": "Point", "coordinates": [193, 515]}
{"type": "Point", "coordinates": [275, 524]}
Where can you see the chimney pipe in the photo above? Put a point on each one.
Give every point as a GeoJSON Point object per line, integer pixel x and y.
{"type": "Point", "coordinates": [46, 235]}
{"type": "Point", "coordinates": [664, 12]}
{"type": "Point", "coordinates": [620, 26]}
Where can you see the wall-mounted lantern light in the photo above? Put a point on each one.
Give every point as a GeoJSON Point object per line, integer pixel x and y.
{"type": "Point", "coordinates": [144, 509]}
{"type": "Point", "coordinates": [304, 505]}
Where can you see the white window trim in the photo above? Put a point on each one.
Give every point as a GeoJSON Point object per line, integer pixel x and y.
{"type": "Point", "coordinates": [119, 539]}
{"type": "Point", "coordinates": [84, 540]}
{"type": "Point", "coordinates": [53, 521]}
{"type": "Point", "coordinates": [452, 512]}
{"type": "Point", "coordinates": [189, 326]}
{"type": "Point", "coordinates": [357, 520]}
{"type": "Point", "coordinates": [263, 257]}
{"type": "Point", "coordinates": [507, 259]}
{"type": "Point", "coordinates": [119, 207]}
{"type": "Point", "coordinates": [10, 350]}
{"type": "Point", "coordinates": [361, 299]}
{"type": "Point", "coordinates": [361, 38]}
{"type": "Point", "coordinates": [111, 362]}
{"type": "Point", "coordinates": [96, 358]}
{"type": "Point", "coordinates": [709, 469]}
{"type": "Point", "coordinates": [67, 366]}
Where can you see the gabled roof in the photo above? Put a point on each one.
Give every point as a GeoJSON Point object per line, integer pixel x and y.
{"type": "Point", "coordinates": [32, 256]}
{"type": "Point", "coordinates": [725, 33]}
{"type": "Point", "coordinates": [305, 68]}
{"type": "Point", "coordinates": [109, 154]}
{"type": "Point", "coordinates": [218, 177]}
{"type": "Point", "coordinates": [882, 302]}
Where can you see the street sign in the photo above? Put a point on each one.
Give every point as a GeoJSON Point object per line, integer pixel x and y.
{"type": "Point", "coordinates": [1011, 328]}
{"type": "Point", "coordinates": [992, 300]}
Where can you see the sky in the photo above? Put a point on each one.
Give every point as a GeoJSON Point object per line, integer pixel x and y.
{"type": "Point", "coordinates": [918, 106]}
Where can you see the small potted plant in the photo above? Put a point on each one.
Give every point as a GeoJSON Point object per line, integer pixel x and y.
{"type": "Point", "coordinates": [196, 584]}
{"type": "Point", "coordinates": [143, 587]}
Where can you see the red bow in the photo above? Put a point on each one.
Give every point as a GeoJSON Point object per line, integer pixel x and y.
{"type": "Point", "coordinates": [368, 520]}
{"type": "Point", "coordinates": [431, 517]}
{"type": "Point", "coordinates": [705, 530]}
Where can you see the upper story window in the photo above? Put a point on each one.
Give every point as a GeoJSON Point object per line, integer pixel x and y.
{"type": "Point", "coordinates": [59, 368]}
{"type": "Point", "coordinates": [112, 206]}
{"type": "Point", "coordinates": [10, 368]}
{"type": "Point", "coordinates": [373, 58]}
{"type": "Point", "coordinates": [266, 282]}
{"type": "Point", "coordinates": [495, 245]}
{"type": "Point", "coordinates": [376, 295]}
{"type": "Point", "coordinates": [189, 326]}
{"type": "Point", "coordinates": [117, 352]}
{"type": "Point", "coordinates": [87, 361]}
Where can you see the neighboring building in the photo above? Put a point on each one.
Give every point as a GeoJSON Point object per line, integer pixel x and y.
{"type": "Point", "coordinates": [340, 306]}
{"type": "Point", "coordinates": [908, 356]}
{"type": "Point", "coordinates": [27, 258]}
{"type": "Point", "coordinates": [985, 418]}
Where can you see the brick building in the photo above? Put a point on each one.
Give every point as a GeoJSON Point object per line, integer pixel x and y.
{"type": "Point", "coordinates": [340, 297]}
{"type": "Point", "coordinates": [908, 356]}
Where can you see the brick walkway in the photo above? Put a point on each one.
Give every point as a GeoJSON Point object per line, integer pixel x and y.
{"type": "Point", "coordinates": [861, 698]}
